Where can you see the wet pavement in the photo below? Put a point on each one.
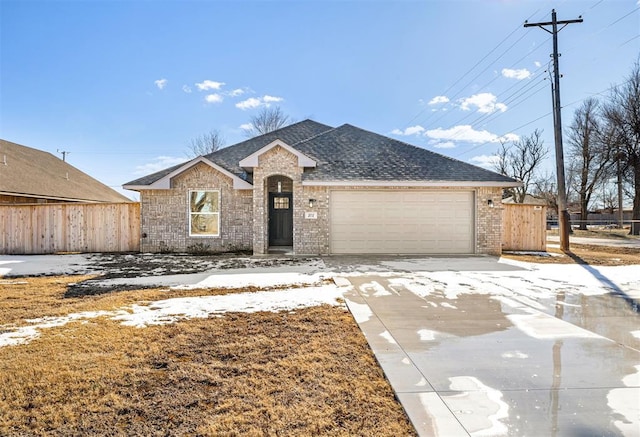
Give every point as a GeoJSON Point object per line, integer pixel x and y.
{"type": "Point", "coordinates": [505, 353]}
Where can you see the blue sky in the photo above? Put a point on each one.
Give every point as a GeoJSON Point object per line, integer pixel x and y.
{"type": "Point", "coordinates": [124, 85]}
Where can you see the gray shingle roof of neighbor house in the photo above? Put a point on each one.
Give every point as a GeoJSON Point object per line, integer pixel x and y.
{"type": "Point", "coordinates": [348, 153]}
{"type": "Point", "coordinates": [28, 172]}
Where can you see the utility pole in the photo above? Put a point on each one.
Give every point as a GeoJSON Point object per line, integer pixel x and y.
{"type": "Point", "coordinates": [64, 154]}
{"type": "Point", "coordinates": [563, 214]}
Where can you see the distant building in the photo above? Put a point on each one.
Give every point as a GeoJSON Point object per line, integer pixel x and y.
{"type": "Point", "coordinates": [30, 175]}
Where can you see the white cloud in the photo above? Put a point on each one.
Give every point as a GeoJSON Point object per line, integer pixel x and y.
{"type": "Point", "coordinates": [255, 102]}
{"type": "Point", "coordinates": [207, 85]}
{"type": "Point", "coordinates": [485, 102]}
{"type": "Point", "coordinates": [161, 83]}
{"type": "Point", "coordinates": [271, 99]}
{"type": "Point", "coordinates": [520, 74]}
{"type": "Point", "coordinates": [467, 134]}
{"type": "Point", "coordinates": [246, 126]}
{"type": "Point", "coordinates": [186, 89]}
{"type": "Point", "coordinates": [413, 130]}
{"type": "Point", "coordinates": [250, 103]}
{"type": "Point", "coordinates": [157, 164]}
{"type": "Point", "coordinates": [237, 92]}
{"type": "Point", "coordinates": [214, 98]}
{"type": "Point", "coordinates": [444, 144]}
{"type": "Point", "coordinates": [486, 161]}
{"type": "Point", "coordinates": [538, 64]}
{"type": "Point", "coordinates": [438, 99]}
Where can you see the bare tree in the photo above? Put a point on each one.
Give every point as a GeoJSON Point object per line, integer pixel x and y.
{"type": "Point", "coordinates": [267, 120]}
{"type": "Point", "coordinates": [521, 161]}
{"type": "Point", "coordinates": [590, 157]}
{"type": "Point", "coordinates": [205, 143]}
{"type": "Point", "coordinates": [622, 111]}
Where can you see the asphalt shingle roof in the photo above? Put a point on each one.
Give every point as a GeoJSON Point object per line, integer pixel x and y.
{"type": "Point", "coordinates": [348, 153]}
{"type": "Point", "coordinates": [29, 172]}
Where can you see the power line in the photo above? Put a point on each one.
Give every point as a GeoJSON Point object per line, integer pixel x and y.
{"type": "Point", "coordinates": [470, 70]}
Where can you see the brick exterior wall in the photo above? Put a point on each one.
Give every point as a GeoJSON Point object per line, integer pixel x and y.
{"type": "Point", "coordinates": [244, 213]}
{"type": "Point", "coordinates": [275, 162]}
{"type": "Point", "coordinates": [489, 221]}
{"type": "Point", "coordinates": [165, 215]}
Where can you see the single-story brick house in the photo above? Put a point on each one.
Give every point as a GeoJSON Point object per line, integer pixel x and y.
{"type": "Point", "coordinates": [323, 190]}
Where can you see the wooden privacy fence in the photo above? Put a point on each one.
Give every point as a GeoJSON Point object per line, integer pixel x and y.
{"type": "Point", "coordinates": [524, 227]}
{"type": "Point", "coordinates": [69, 227]}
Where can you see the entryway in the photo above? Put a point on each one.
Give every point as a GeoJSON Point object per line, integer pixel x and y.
{"type": "Point", "coordinates": [280, 213]}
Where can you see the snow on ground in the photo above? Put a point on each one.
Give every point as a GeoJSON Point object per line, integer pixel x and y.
{"type": "Point", "coordinates": [175, 309]}
{"type": "Point", "coordinates": [171, 310]}
{"type": "Point", "coordinates": [514, 283]}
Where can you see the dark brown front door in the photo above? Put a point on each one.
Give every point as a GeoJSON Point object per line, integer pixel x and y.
{"type": "Point", "coordinates": [280, 219]}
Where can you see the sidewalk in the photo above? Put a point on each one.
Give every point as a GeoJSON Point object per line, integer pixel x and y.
{"type": "Point", "coordinates": [631, 243]}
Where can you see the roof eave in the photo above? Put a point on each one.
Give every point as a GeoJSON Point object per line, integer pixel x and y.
{"type": "Point", "coordinates": [401, 183]}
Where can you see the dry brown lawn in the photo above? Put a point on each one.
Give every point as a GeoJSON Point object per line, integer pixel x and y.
{"type": "Point", "coordinates": [308, 372]}
{"type": "Point", "coordinates": [585, 254]}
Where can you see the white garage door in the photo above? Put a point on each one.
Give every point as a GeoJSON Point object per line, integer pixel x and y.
{"type": "Point", "coordinates": [401, 222]}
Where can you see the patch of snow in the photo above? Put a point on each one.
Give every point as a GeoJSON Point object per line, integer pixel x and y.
{"type": "Point", "coordinates": [24, 334]}
{"type": "Point", "coordinates": [387, 336]}
{"type": "Point", "coordinates": [262, 279]}
{"type": "Point", "coordinates": [375, 289]}
{"type": "Point", "coordinates": [36, 265]}
{"type": "Point", "coordinates": [624, 402]}
{"type": "Point", "coordinates": [419, 286]}
{"type": "Point", "coordinates": [427, 335]}
{"type": "Point", "coordinates": [175, 309]}
{"type": "Point", "coordinates": [171, 310]}
{"type": "Point", "coordinates": [476, 398]}
{"type": "Point", "coordinates": [515, 354]}
{"type": "Point", "coordinates": [360, 311]}
{"type": "Point", "coordinates": [636, 334]}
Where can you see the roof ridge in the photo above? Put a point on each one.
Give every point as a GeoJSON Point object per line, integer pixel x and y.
{"type": "Point", "coordinates": [331, 129]}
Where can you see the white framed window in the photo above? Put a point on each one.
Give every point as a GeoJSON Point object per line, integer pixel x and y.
{"type": "Point", "coordinates": [204, 213]}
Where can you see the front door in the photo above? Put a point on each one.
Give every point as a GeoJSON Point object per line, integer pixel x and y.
{"type": "Point", "coordinates": [280, 219]}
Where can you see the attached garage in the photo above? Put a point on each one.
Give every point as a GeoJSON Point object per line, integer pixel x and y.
{"type": "Point", "coordinates": [402, 222]}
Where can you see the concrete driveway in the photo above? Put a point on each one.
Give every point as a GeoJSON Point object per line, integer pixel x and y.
{"type": "Point", "coordinates": [521, 350]}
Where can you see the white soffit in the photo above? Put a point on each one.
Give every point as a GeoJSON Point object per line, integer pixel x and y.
{"type": "Point", "coordinates": [251, 161]}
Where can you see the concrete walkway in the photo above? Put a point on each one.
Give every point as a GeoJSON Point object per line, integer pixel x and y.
{"type": "Point", "coordinates": [496, 362]}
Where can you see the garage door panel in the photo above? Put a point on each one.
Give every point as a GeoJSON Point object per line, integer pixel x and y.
{"type": "Point", "coordinates": [364, 221]}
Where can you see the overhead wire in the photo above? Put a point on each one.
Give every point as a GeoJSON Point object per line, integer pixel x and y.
{"type": "Point", "coordinates": [470, 69]}
{"type": "Point", "coordinates": [484, 118]}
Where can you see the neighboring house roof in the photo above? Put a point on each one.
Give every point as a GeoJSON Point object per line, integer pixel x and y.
{"type": "Point", "coordinates": [28, 172]}
{"type": "Point", "coordinates": [347, 154]}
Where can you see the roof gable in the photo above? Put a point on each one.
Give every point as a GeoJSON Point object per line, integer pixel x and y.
{"type": "Point", "coordinates": [229, 157]}
{"type": "Point", "coordinates": [164, 182]}
{"type": "Point", "coordinates": [29, 172]}
{"type": "Point", "coordinates": [251, 161]}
